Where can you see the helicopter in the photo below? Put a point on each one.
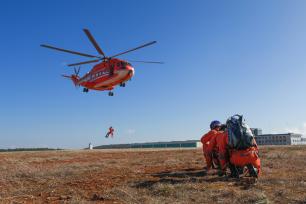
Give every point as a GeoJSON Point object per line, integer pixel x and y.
{"type": "Point", "coordinates": [107, 74]}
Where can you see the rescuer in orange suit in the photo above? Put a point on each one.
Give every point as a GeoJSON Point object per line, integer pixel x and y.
{"type": "Point", "coordinates": [248, 157]}
{"type": "Point", "coordinates": [207, 143]}
{"type": "Point", "coordinates": [110, 132]}
{"type": "Point", "coordinates": [223, 153]}
{"type": "Point", "coordinates": [237, 158]}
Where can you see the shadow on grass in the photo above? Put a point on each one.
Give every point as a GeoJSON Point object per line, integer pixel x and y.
{"type": "Point", "coordinates": [246, 183]}
{"type": "Point", "coordinates": [179, 177]}
{"type": "Point", "coordinates": [190, 176]}
{"type": "Point", "coordinates": [186, 173]}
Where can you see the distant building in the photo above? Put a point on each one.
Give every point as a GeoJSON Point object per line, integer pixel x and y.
{"type": "Point", "coordinates": [90, 146]}
{"type": "Point", "coordinates": [261, 139]}
{"type": "Point", "coordinates": [172, 144]}
{"type": "Point", "coordinates": [256, 131]}
{"type": "Point", "coordinates": [280, 139]}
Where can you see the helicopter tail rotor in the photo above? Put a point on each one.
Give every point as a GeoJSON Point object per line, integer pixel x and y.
{"type": "Point", "coordinates": [77, 71]}
{"type": "Point", "coordinates": [73, 78]}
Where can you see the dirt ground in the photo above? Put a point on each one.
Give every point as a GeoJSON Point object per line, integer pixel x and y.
{"type": "Point", "coordinates": [146, 176]}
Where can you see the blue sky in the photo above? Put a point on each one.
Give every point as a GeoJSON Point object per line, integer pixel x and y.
{"type": "Point", "coordinates": [222, 58]}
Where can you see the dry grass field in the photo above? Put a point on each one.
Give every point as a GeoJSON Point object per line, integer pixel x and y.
{"type": "Point", "coordinates": [145, 176]}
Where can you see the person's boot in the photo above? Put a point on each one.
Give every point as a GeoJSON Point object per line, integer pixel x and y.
{"type": "Point", "coordinates": [221, 173]}
{"type": "Point", "coordinates": [234, 171]}
{"type": "Point", "coordinates": [252, 170]}
{"type": "Point", "coordinates": [239, 170]}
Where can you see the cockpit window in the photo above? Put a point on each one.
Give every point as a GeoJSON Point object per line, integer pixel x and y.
{"type": "Point", "coordinates": [126, 64]}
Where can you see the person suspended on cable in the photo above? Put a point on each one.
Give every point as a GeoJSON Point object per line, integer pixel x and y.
{"type": "Point", "coordinates": [110, 132]}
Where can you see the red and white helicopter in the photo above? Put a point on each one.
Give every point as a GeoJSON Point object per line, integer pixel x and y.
{"type": "Point", "coordinates": [106, 74]}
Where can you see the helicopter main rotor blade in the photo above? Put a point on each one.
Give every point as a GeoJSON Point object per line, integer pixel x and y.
{"type": "Point", "coordinates": [93, 41]}
{"type": "Point", "coordinates": [69, 51]}
{"type": "Point", "coordinates": [147, 44]}
{"type": "Point", "coordinates": [86, 62]}
{"type": "Point", "coordinates": [154, 62]}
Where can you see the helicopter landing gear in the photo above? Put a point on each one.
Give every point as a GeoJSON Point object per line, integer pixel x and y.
{"type": "Point", "coordinates": [85, 90]}
{"type": "Point", "coordinates": [122, 84]}
{"type": "Point", "coordinates": [111, 93]}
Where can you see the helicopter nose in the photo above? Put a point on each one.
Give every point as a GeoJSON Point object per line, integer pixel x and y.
{"type": "Point", "coordinates": [131, 70]}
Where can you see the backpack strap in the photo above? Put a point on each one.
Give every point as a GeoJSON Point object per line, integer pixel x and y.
{"type": "Point", "coordinates": [240, 142]}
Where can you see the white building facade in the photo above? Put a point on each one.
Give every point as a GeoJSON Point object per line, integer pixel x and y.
{"type": "Point", "coordinates": [280, 139]}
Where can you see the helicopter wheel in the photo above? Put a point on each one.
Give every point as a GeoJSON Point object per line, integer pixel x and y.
{"type": "Point", "coordinates": [85, 90]}
{"type": "Point", "coordinates": [111, 93]}
{"type": "Point", "coordinates": [122, 84]}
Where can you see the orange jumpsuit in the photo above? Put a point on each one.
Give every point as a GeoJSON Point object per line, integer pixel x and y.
{"type": "Point", "coordinates": [208, 146]}
{"type": "Point", "coordinates": [237, 157]}
{"type": "Point", "coordinates": [248, 156]}
{"type": "Point", "coordinates": [110, 132]}
{"type": "Point", "coordinates": [221, 147]}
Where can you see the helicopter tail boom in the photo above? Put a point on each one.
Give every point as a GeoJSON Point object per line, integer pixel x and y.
{"type": "Point", "coordinates": [73, 78]}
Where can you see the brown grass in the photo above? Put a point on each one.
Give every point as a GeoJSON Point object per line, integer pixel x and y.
{"type": "Point", "coordinates": [164, 176]}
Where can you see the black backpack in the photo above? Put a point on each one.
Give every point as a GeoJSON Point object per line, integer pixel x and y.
{"type": "Point", "coordinates": [240, 136]}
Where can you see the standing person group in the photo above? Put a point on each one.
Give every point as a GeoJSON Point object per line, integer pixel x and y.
{"type": "Point", "coordinates": [231, 146]}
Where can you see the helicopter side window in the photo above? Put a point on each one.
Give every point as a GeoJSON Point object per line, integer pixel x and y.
{"type": "Point", "coordinates": [123, 64]}
{"type": "Point", "coordinates": [111, 69]}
